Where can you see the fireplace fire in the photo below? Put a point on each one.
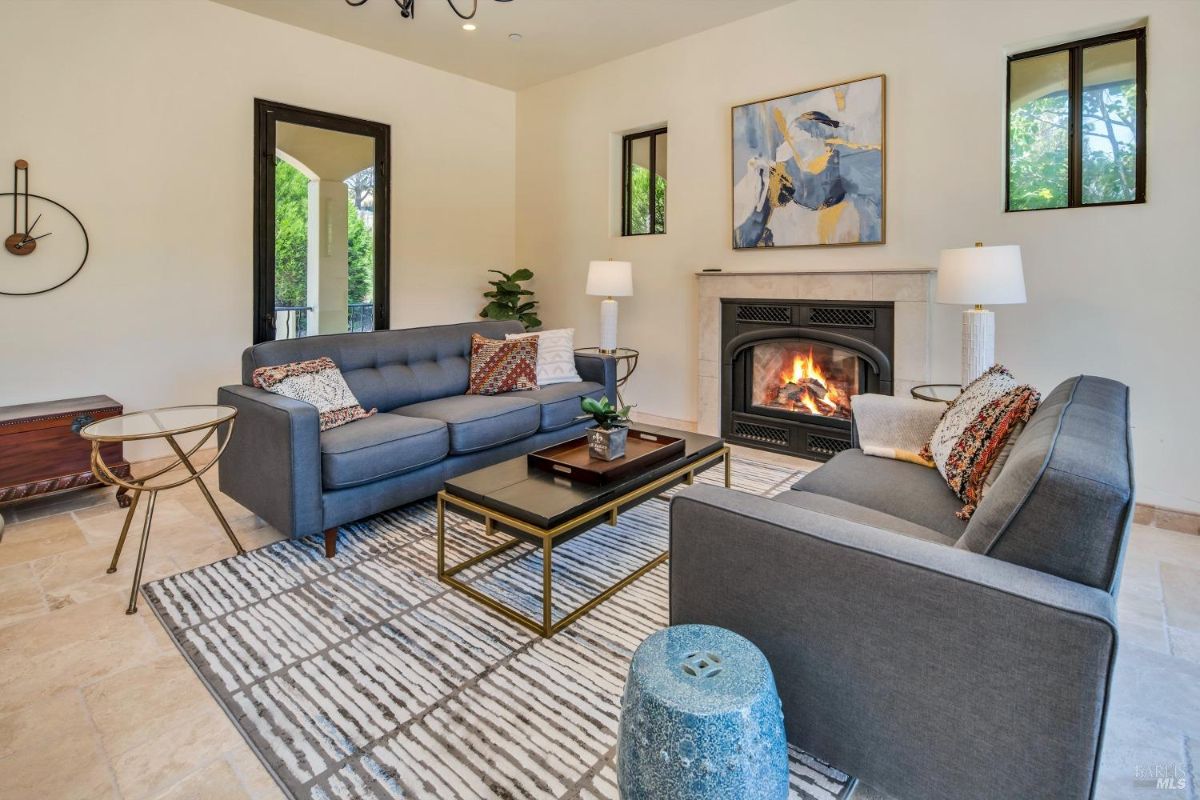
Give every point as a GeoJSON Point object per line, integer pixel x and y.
{"type": "Point", "coordinates": [790, 367]}
{"type": "Point", "coordinates": [804, 378]}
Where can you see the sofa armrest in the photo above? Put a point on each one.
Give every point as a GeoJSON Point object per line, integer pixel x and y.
{"type": "Point", "coordinates": [893, 427]}
{"type": "Point", "coordinates": [925, 670]}
{"type": "Point", "coordinates": [599, 368]}
{"type": "Point", "coordinates": [272, 465]}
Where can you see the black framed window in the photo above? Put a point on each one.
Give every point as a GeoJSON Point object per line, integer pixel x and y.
{"type": "Point", "coordinates": [644, 183]}
{"type": "Point", "coordinates": [1077, 124]}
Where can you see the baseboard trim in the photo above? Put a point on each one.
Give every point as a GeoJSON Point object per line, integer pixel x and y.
{"type": "Point", "coordinates": [665, 422]}
{"type": "Point", "coordinates": [1168, 519]}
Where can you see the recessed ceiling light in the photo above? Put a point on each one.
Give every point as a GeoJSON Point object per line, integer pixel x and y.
{"type": "Point", "coordinates": [468, 26]}
{"type": "Point", "coordinates": [516, 37]}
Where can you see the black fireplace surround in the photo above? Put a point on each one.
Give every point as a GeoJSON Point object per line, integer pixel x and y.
{"type": "Point", "coordinates": [788, 368]}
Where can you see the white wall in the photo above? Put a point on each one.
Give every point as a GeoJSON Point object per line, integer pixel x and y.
{"type": "Point", "coordinates": [138, 116]}
{"type": "Point", "coordinates": [1113, 291]}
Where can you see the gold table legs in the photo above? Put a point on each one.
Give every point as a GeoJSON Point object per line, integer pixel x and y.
{"type": "Point", "coordinates": [138, 487]}
{"type": "Point", "coordinates": [546, 626]}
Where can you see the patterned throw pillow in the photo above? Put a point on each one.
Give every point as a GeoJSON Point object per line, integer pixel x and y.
{"type": "Point", "coordinates": [499, 366]}
{"type": "Point", "coordinates": [555, 357]}
{"type": "Point", "coordinates": [972, 433]}
{"type": "Point", "coordinates": [318, 382]}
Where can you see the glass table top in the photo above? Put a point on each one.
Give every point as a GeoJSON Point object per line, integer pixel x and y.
{"type": "Point", "coordinates": [158, 422]}
{"type": "Point", "coordinates": [620, 352]}
{"type": "Point", "coordinates": [937, 392]}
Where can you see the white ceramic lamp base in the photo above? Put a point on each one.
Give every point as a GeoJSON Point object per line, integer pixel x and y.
{"type": "Point", "coordinates": [608, 325]}
{"type": "Point", "coordinates": [978, 343]}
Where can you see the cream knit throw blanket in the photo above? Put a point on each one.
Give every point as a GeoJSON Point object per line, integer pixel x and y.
{"type": "Point", "coordinates": [895, 427]}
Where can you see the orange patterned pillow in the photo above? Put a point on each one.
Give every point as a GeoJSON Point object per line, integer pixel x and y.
{"type": "Point", "coordinates": [972, 434]}
{"type": "Point", "coordinates": [499, 366]}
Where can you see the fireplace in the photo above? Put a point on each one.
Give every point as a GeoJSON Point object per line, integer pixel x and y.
{"type": "Point", "coordinates": [789, 369]}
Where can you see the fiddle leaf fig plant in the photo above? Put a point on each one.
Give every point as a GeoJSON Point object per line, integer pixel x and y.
{"type": "Point", "coordinates": [606, 415]}
{"type": "Point", "coordinates": [509, 300]}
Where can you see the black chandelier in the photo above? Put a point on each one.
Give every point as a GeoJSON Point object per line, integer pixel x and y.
{"type": "Point", "coordinates": [408, 7]}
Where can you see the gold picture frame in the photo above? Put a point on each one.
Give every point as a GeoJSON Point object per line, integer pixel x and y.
{"type": "Point", "coordinates": [814, 203]}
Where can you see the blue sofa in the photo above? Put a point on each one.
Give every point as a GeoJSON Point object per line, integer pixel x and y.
{"type": "Point", "coordinates": [304, 481]}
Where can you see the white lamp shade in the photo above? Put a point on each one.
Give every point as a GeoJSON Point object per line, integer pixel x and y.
{"type": "Point", "coordinates": [981, 276]}
{"type": "Point", "coordinates": [610, 278]}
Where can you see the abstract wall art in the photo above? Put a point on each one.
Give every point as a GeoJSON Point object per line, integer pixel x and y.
{"type": "Point", "coordinates": [808, 168]}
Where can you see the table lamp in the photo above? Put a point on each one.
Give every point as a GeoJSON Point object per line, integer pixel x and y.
{"type": "Point", "coordinates": [609, 279]}
{"type": "Point", "coordinates": [974, 276]}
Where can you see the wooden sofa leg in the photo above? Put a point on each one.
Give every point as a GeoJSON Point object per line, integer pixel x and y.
{"type": "Point", "coordinates": [331, 542]}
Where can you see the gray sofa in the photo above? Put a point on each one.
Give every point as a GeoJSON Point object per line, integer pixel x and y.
{"type": "Point", "coordinates": [931, 658]}
{"type": "Point", "coordinates": [304, 481]}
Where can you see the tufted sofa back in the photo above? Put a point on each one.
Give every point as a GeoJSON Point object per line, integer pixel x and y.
{"type": "Point", "coordinates": [388, 369]}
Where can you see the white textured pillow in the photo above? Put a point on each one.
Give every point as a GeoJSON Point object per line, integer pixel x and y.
{"type": "Point", "coordinates": [555, 357]}
{"type": "Point", "coordinates": [989, 386]}
{"type": "Point", "coordinates": [973, 433]}
{"type": "Point", "coordinates": [318, 382]}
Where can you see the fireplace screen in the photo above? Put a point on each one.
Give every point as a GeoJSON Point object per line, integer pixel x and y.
{"type": "Point", "coordinates": [805, 378]}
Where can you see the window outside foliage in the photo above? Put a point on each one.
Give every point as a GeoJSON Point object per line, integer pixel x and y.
{"type": "Point", "coordinates": [639, 200]}
{"type": "Point", "coordinates": [644, 183]}
{"type": "Point", "coordinates": [1110, 92]}
{"type": "Point", "coordinates": [1046, 168]}
{"type": "Point", "coordinates": [1037, 133]}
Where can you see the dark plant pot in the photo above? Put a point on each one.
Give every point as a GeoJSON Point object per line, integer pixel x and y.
{"type": "Point", "coordinates": [607, 445]}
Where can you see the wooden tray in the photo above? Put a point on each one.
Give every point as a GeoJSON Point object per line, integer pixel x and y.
{"type": "Point", "coordinates": [572, 460]}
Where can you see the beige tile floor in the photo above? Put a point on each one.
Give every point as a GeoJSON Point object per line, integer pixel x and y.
{"type": "Point", "coordinates": [97, 704]}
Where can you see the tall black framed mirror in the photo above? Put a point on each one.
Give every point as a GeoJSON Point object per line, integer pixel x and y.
{"type": "Point", "coordinates": [321, 222]}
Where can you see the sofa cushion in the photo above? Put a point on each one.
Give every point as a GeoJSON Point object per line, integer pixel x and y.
{"type": "Point", "coordinates": [908, 491]}
{"type": "Point", "coordinates": [317, 382]}
{"type": "Point", "coordinates": [1064, 501]}
{"type": "Point", "coordinates": [560, 402]}
{"type": "Point", "coordinates": [833, 507]}
{"type": "Point", "coordinates": [973, 431]}
{"type": "Point", "coordinates": [477, 422]}
{"type": "Point", "coordinates": [499, 366]}
{"type": "Point", "coordinates": [555, 355]}
{"type": "Point", "coordinates": [378, 447]}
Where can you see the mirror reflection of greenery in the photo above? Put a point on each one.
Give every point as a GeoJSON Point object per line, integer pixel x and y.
{"type": "Point", "coordinates": [1038, 148]}
{"type": "Point", "coordinates": [291, 236]}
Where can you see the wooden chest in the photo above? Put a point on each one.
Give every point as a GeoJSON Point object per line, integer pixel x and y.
{"type": "Point", "coordinates": [41, 451]}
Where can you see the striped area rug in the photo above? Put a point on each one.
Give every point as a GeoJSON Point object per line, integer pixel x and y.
{"type": "Point", "coordinates": [362, 676]}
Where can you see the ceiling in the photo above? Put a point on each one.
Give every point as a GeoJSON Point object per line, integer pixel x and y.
{"type": "Point", "coordinates": [558, 37]}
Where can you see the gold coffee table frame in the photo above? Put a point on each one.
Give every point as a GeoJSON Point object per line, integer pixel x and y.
{"type": "Point", "coordinates": [96, 434]}
{"type": "Point", "coordinates": [547, 627]}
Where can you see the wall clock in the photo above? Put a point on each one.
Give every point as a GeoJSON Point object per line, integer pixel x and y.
{"type": "Point", "coordinates": [47, 245]}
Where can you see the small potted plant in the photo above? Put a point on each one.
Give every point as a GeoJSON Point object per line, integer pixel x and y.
{"type": "Point", "coordinates": [606, 441]}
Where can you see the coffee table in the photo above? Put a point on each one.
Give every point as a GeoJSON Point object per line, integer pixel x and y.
{"type": "Point", "coordinates": [528, 505]}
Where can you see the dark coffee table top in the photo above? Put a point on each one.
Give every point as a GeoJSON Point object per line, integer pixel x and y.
{"type": "Point", "coordinates": [540, 498]}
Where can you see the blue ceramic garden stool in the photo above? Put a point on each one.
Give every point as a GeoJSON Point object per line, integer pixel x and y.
{"type": "Point", "coordinates": [701, 719]}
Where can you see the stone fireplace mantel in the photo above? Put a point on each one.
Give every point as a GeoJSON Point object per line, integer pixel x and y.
{"type": "Point", "coordinates": [910, 290]}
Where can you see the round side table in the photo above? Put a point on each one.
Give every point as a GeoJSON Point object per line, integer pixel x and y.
{"type": "Point", "coordinates": [937, 392]}
{"type": "Point", "coordinates": [165, 424]}
{"type": "Point", "coordinates": [627, 361]}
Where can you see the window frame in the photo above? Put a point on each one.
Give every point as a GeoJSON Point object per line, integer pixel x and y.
{"type": "Point", "coordinates": [1074, 52]}
{"type": "Point", "coordinates": [626, 189]}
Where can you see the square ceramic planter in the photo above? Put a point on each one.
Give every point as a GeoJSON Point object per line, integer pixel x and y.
{"type": "Point", "coordinates": [607, 445]}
